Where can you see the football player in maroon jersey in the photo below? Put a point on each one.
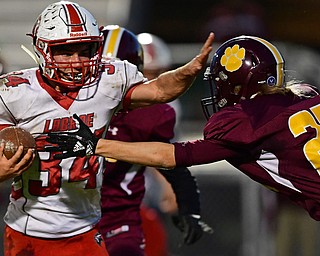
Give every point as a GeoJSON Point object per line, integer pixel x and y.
{"type": "Point", "coordinates": [262, 125]}
{"type": "Point", "coordinates": [124, 184]}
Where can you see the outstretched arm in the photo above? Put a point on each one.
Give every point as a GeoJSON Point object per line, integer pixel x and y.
{"type": "Point", "coordinates": [156, 154]}
{"type": "Point", "coordinates": [171, 84]}
{"type": "Point", "coordinates": [84, 143]}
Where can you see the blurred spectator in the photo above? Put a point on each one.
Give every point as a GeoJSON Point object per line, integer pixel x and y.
{"type": "Point", "coordinates": [296, 233]}
{"type": "Point", "coordinates": [287, 228]}
{"type": "Point", "coordinates": [307, 68]}
{"type": "Point", "coordinates": [2, 66]}
{"type": "Point", "coordinates": [235, 18]}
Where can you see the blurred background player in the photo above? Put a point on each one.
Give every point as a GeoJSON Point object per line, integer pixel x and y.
{"type": "Point", "coordinates": [124, 184]}
{"type": "Point", "coordinates": [157, 59]}
{"type": "Point", "coordinates": [157, 55]}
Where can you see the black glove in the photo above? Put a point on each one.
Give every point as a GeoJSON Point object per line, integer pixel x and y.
{"type": "Point", "coordinates": [191, 227]}
{"type": "Point", "coordinates": [80, 143]}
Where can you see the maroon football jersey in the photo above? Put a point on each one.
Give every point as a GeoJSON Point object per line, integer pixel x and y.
{"type": "Point", "coordinates": [274, 139]}
{"type": "Point", "coordinates": [123, 185]}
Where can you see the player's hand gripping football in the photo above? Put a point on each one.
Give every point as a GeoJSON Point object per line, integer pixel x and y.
{"type": "Point", "coordinates": [79, 143]}
{"type": "Point", "coordinates": [191, 226]}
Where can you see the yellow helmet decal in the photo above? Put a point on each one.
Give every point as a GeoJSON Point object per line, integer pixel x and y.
{"type": "Point", "coordinates": [232, 58]}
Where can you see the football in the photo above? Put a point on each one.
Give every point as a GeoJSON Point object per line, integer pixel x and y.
{"type": "Point", "coordinates": [13, 137]}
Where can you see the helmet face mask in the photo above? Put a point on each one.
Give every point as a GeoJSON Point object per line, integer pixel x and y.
{"type": "Point", "coordinates": [66, 24]}
{"type": "Point", "coordinates": [239, 69]}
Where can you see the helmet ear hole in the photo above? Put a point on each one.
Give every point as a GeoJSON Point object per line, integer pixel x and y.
{"type": "Point", "coordinates": [237, 89]}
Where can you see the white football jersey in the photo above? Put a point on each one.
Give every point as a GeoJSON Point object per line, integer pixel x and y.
{"type": "Point", "coordinates": [60, 198]}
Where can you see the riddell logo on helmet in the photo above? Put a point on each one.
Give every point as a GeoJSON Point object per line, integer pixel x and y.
{"type": "Point", "coordinates": [78, 34]}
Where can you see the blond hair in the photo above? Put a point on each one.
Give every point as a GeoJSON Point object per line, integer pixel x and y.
{"type": "Point", "coordinates": [296, 87]}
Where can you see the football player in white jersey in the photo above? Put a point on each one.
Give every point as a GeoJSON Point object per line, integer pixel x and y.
{"type": "Point", "coordinates": [55, 204]}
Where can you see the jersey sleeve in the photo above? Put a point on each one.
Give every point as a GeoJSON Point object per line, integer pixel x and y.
{"type": "Point", "coordinates": [14, 87]}
{"type": "Point", "coordinates": [231, 125]}
{"type": "Point", "coordinates": [134, 77]}
{"type": "Point", "coordinates": [117, 78]}
{"type": "Point", "coordinates": [203, 152]}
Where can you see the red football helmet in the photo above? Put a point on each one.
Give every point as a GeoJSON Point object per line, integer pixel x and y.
{"type": "Point", "coordinates": [239, 68]}
{"type": "Point", "coordinates": [67, 23]}
{"type": "Point", "coordinates": [122, 44]}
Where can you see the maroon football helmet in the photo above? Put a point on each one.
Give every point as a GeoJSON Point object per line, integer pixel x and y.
{"type": "Point", "coordinates": [239, 68]}
{"type": "Point", "coordinates": [122, 44]}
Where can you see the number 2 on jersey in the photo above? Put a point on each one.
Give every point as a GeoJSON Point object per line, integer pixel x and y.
{"type": "Point", "coordinates": [298, 124]}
